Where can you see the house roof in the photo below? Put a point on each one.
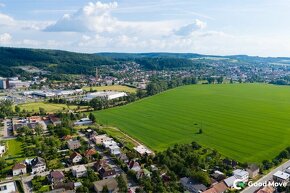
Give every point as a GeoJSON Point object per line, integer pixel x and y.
{"type": "Point", "coordinates": [66, 186]}
{"type": "Point", "coordinates": [79, 168]}
{"type": "Point", "coordinates": [230, 181]}
{"type": "Point", "coordinates": [192, 185]}
{"type": "Point", "coordinates": [220, 187]}
{"type": "Point", "coordinates": [282, 175]}
{"type": "Point", "coordinates": [67, 137]}
{"type": "Point", "coordinates": [107, 171]}
{"type": "Point", "coordinates": [211, 190]}
{"type": "Point", "coordinates": [90, 152]}
{"type": "Point", "coordinates": [19, 166]}
{"type": "Point", "coordinates": [75, 154]}
{"type": "Point", "coordinates": [73, 142]}
{"type": "Point", "coordinates": [57, 174]}
{"type": "Point", "coordinates": [37, 161]}
{"type": "Point", "coordinates": [266, 189]}
{"type": "Point", "coordinates": [111, 184]}
{"type": "Point", "coordinates": [239, 172]}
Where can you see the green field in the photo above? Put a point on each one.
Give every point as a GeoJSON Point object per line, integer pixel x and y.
{"type": "Point", "coordinates": [112, 87]}
{"type": "Point", "coordinates": [15, 150]}
{"type": "Point", "coordinates": [246, 122]}
{"type": "Point", "coordinates": [49, 107]}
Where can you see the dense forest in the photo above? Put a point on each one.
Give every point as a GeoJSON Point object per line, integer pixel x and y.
{"type": "Point", "coordinates": [54, 61]}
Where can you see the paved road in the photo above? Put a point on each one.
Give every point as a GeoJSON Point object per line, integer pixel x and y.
{"type": "Point", "coordinates": [267, 177]}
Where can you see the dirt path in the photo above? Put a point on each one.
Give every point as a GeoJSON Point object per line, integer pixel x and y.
{"type": "Point", "coordinates": [128, 136]}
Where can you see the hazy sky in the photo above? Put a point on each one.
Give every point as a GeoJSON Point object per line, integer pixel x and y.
{"type": "Point", "coordinates": [224, 27]}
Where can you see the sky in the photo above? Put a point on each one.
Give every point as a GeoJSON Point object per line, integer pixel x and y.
{"type": "Point", "coordinates": [218, 27]}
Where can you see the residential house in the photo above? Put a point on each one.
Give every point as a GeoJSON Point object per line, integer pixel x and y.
{"type": "Point", "coordinates": [2, 150]}
{"type": "Point", "coordinates": [123, 157]}
{"type": "Point", "coordinates": [99, 139]}
{"type": "Point", "coordinates": [217, 188]}
{"type": "Point", "coordinates": [38, 165]}
{"type": "Point", "coordinates": [133, 165]}
{"type": "Point", "coordinates": [98, 165]}
{"type": "Point", "coordinates": [67, 137]}
{"type": "Point", "coordinates": [192, 186]}
{"type": "Point", "coordinates": [75, 157]}
{"type": "Point", "coordinates": [73, 144]}
{"type": "Point", "coordinates": [142, 150]}
{"type": "Point", "coordinates": [107, 172]}
{"type": "Point", "coordinates": [83, 121]}
{"type": "Point", "coordinates": [241, 175]}
{"type": "Point", "coordinates": [8, 187]}
{"type": "Point", "coordinates": [56, 177]}
{"type": "Point", "coordinates": [266, 189]}
{"type": "Point", "coordinates": [230, 181]}
{"type": "Point", "coordinates": [218, 176]}
{"type": "Point", "coordinates": [65, 186]}
{"type": "Point", "coordinates": [54, 120]}
{"type": "Point", "coordinates": [281, 177]}
{"type": "Point", "coordinates": [79, 171]}
{"type": "Point", "coordinates": [104, 169]}
{"type": "Point", "coordinates": [111, 184]}
{"type": "Point", "coordinates": [114, 150]}
{"type": "Point", "coordinates": [287, 170]}
{"type": "Point", "coordinates": [253, 170]}
{"type": "Point", "coordinates": [109, 143]}
{"type": "Point", "coordinates": [89, 153]}
{"type": "Point", "coordinates": [19, 169]}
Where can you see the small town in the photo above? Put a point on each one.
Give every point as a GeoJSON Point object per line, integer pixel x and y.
{"type": "Point", "coordinates": [155, 96]}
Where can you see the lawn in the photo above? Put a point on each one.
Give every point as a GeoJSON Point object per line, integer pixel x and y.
{"type": "Point", "coordinates": [14, 149]}
{"type": "Point", "coordinates": [49, 107]}
{"type": "Point", "coordinates": [113, 88]}
{"type": "Point", "coordinates": [246, 122]}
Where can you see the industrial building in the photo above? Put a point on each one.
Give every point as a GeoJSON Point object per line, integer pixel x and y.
{"type": "Point", "coordinates": [4, 84]}
{"type": "Point", "coordinates": [109, 95]}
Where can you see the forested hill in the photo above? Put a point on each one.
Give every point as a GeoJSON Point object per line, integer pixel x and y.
{"type": "Point", "coordinates": [199, 58]}
{"type": "Point", "coordinates": [55, 61]}
{"type": "Point", "coordinates": [63, 62]}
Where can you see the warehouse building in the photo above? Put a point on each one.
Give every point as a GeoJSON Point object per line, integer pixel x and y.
{"type": "Point", "coordinates": [109, 95]}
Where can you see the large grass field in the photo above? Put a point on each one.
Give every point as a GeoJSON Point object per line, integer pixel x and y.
{"type": "Point", "coordinates": [112, 87]}
{"type": "Point", "coordinates": [49, 107]}
{"type": "Point", "coordinates": [246, 122]}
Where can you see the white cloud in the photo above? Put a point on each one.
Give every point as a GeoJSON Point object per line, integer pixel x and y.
{"type": "Point", "coordinates": [5, 38]}
{"type": "Point", "coordinates": [190, 28]}
{"type": "Point", "coordinates": [5, 19]}
{"type": "Point", "coordinates": [92, 17]}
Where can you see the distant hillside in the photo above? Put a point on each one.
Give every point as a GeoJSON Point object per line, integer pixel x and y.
{"type": "Point", "coordinates": [52, 60]}
{"type": "Point", "coordinates": [200, 59]}
{"type": "Point", "coordinates": [63, 62]}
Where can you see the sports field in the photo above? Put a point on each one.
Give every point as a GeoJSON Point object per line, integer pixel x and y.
{"type": "Point", "coordinates": [49, 107]}
{"type": "Point", "coordinates": [112, 87]}
{"type": "Point", "coordinates": [247, 122]}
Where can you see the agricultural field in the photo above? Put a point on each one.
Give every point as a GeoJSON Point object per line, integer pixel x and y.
{"type": "Point", "coordinates": [246, 122]}
{"type": "Point", "coordinates": [111, 88]}
{"type": "Point", "coordinates": [49, 107]}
